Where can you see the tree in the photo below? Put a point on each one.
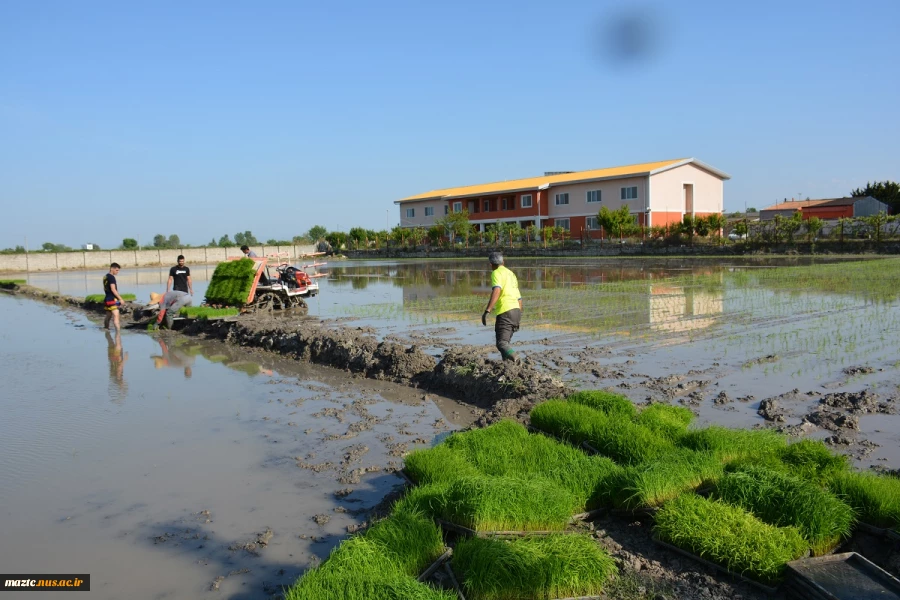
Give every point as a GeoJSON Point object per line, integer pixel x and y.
{"type": "Point", "coordinates": [245, 239]}
{"type": "Point", "coordinates": [792, 226]}
{"type": "Point", "coordinates": [159, 241]}
{"type": "Point", "coordinates": [316, 233]}
{"type": "Point", "coordinates": [813, 227]}
{"type": "Point", "coordinates": [95, 247]}
{"type": "Point", "coordinates": [457, 224]}
{"type": "Point", "coordinates": [212, 242]}
{"type": "Point", "coordinates": [358, 236]}
{"type": "Point", "coordinates": [741, 228]}
{"type": "Point", "coordinates": [225, 242]}
{"type": "Point", "coordinates": [886, 191]}
{"type": "Point", "coordinates": [129, 244]}
{"type": "Point", "coordinates": [435, 235]}
{"type": "Point", "coordinates": [752, 210]}
{"type": "Point", "coordinates": [875, 224]}
{"type": "Point", "coordinates": [716, 222]}
{"type": "Point", "coordinates": [174, 241]}
{"type": "Point", "coordinates": [616, 222]}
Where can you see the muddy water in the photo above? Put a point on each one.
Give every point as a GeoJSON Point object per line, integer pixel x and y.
{"type": "Point", "coordinates": [165, 467]}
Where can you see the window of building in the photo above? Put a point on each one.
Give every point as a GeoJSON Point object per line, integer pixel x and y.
{"type": "Point", "coordinates": [410, 213]}
{"type": "Point", "coordinates": [446, 209]}
{"type": "Point", "coordinates": [594, 195]}
{"type": "Point", "coordinates": [562, 198]}
{"type": "Point", "coordinates": [564, 223]}
{"type": "Point", "coordinates": [526, 201]}
{"type": "Point", "coordinates": [429, 211]}
{"type": "Point", "coordinates": [457, 207]}
{"type": "Point", "coordinates": [487, 206]}
{"type": "Point", "coordinates": [629, 193]}
{"type": "Point", "coordinates": [591, 223]}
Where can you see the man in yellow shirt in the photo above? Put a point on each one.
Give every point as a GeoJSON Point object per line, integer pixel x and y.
{"type": "Point", "coordinates": [507, 301]}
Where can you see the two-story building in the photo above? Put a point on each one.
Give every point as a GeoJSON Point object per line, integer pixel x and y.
{"type": "Point", "coordinates": [656, 193]}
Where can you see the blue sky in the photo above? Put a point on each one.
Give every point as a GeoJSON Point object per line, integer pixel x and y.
{"type": "Point", "coordinates": [204, 118]}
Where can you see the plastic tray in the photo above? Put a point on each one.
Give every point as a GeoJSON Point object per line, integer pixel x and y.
{"type": "Point", "coordinates": [436, 564]}
{"type": "Point", "coordinates": [846, 576]}
{"type": "Point", "coordinates": [766, 588]}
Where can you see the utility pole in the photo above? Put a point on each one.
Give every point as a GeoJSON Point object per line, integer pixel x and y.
{"type": "Point", "coordinates": [387, 216]}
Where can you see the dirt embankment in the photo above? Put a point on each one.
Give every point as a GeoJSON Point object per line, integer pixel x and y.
{"type": "Point", "coordinates": [502, 389]}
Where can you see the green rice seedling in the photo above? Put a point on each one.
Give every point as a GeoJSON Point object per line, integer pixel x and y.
{"type": "Point", "coordinates": [438, 464]}
{"type": "Point", "coordinates": [666, 420]}
{"type": "Point", "coordinates": [411, 539]}
{"type": "Point", "coordinates": [101, 298]}
{"type": "Point", "coordinates": [361, 569]}
{"type": "Point", "coordinates": [231, 282]}
{"type": "Point", "coordinates": [569, 421]}
{"type": "Point", "coordinates": [540, 568]}
{"type": "Point", "coordinates": [507, 449]}
{"type": "Point", "coordinates": [607, 402]}
{"type": "Point", "coordinates": [876, 498]}
{"type": "Point", "coordinates": [206, 312]}
{"type": "Point", "coordinates": [729, 536]}
{"type": "Point", "coordinates": [11, 283]}
{"type": "Point", "coordinates": [733, 444]}
{"type": "Point", "coordinates": [781, 499]}
{"type": "Point", "coordinates": [656, 482]}
{"type": "Point", "coordinates": [495, 503]}
{"type": "Point", "coordinates": [813, 460]}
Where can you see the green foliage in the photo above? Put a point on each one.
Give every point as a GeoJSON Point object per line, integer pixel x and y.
{"type": "Point", "coordinates": [876, 498]}
{"type": "Point", "coordinates": [780, 499]}
{"type": "Point", "coordinates": [886, 191]}
{"type": "Point", "coordinates": [225, 242]}
{"type": "Point", "coordinates": [813, 226]}
{"type": "Point", "coordinates": [409, 538]}
{"type": "Point", "coordinates": [487, 503]}
{"type": "Point", "coordinates": [665, 419]}
{"type": "Point", "coordinates": [729, 536]}
{"type": "Point", "coordinates": [101, 298]}
{"type": "Point", "coordinates": [813, 460]}
{"type": "Point", "coordinates": [553, 566]}
{"type": "Point", "coordinates": [607, 402]}
{"type": "Point", "coordinates": [231, 282]}
{"type": "Point", "coordinates": [12, 282]}
{"type": "Point", "coordinates": [206, 312]}
{"type": "Point", "coordinates": [316, 233]}
{"type": "Point", "coordinates": [245, 239]}
{"type": "Point", "coordinates": [129, 244]}
{"type": "Point", "coordinates": [618, 222]}
{"type": "Point", "coordinates": [51, 247]}
{"type": "Point", "coordinates": [653, 483]}
{"type": "Point", "coordinates": [457, 224]}
{"type": "Point", "coordinates": [734, 444]}
{"type": "Point", "coordinates": [361, 569]}
{"type": "Point", "coordinates": [567, 420]}
{"type": "Point", "coordinates": [437, 465]}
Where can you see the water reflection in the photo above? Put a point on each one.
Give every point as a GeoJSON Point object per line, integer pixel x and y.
{"type": "Point", "coordinates": [118, 387]}
{"type": "Point", "coordinates": [173, 357]}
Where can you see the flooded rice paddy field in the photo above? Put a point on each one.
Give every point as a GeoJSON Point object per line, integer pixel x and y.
{"type": "Point", "coordinates": [114, 450]}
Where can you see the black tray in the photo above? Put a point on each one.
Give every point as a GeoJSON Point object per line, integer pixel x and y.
{"type": "Point", "coordinates": [717, 567]}
{"type": "Point", "coordinates": [846, 576]}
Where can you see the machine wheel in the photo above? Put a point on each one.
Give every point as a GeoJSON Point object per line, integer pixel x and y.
{"type": "Point", "coordinates": [265, 302]}
{"type": "Point", "coordinates": [300, 306]}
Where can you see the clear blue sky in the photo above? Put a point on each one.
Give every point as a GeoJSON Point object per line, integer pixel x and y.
{"type": "Point", "coordinates": [124, 119]}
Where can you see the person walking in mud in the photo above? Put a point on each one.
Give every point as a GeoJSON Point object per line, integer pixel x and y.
{"type": "Point", "coordinates": [506, 301]}
{"type": "Point", "coordinates": [180, 278]}
{"type": "Point", "coordinates": [113, 301]}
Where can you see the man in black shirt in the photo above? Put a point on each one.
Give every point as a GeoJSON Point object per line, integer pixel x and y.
{"type": "Point", "coordinates": [180, 276]}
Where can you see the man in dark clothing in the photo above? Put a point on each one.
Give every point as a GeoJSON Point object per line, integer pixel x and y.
{"type": "Point", "coordinates": [112, 300]}
{"type": "Point", "coordinates": [180, 278]}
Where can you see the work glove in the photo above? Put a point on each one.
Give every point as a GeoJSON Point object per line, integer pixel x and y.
{"type": "Point", "coordinates": [484, 318]}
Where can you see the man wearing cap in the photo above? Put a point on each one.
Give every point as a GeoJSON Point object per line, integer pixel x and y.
{"type": "Point", "coordinates": [169, 305]}
{"type": "Point", "coordinates": [506, 301]}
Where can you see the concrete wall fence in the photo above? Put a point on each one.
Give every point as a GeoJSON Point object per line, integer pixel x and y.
{"type": "Point", "coordinates": [101, 259]}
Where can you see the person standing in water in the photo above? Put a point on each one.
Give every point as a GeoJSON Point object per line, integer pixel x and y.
{"type": "Point", "coordinates": [113, 300]}
{"type": "Point", "coordinates": [507, 301]}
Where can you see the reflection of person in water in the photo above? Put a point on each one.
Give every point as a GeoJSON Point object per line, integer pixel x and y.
{"type": "Point", "coordinates": [172, 357]}
{"type": "Point", "coordinates": [118, 389]}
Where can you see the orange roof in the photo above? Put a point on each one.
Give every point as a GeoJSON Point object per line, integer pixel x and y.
{"type": "Point", "coordinates": [795, 204]}
{"type": "Point", "coordinates": [548, 180]}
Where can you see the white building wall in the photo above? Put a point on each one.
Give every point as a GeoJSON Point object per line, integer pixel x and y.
{"type": "Point", "coordinates": [666, 190]}
{"type": "Point", "coordinates": [419, 206]}
{"type": "Point", "coordinates": [610, 197]}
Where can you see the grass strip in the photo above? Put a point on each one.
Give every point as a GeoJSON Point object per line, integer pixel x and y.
{"type": "Point", "coordinates": [485, 503]}
{"type": "Point", "coordinates": [539, 568]}
{"type": "Point", "coordinates": [410, 539]}
{"type": "Point", "coordinates": [651, 484]}
{"type": "Point", "coordinates": [101, 298]}
{"type": "Point", "coordinates": [206, 312]}
{"type": "Point", "coordinates": [361, 569]}
{"type": "Point", "coordinates": [609, 403]}
{"type": "Point", "coordinates": [669, 421]}
{"type": "Point", "coordinates": [783, 500]}
{"type": "Point", "coordinates": [729, 536]}
{"type": "Point", "coordinates": [231, 282]}
{"type": "Point", "coordinates": [735, 444]}
{"type": "Point", "coordinates": [876, 498]}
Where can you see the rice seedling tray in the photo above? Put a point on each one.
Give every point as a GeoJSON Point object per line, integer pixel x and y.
{"type": "Point", "coordinates": [437, 564]}
{"type": "Point", "coordinates": [644, 511]}
{"type": "Point", "coordinates": [880, 531]}
{"type": "Point", "coordinates": [847, 576]}
{"type": "Point", "coordinates": [760, 586]}
{"type": "Point", "coordinates": [466, 531]}
{"type": "Point", "coordinates": [449, 570]}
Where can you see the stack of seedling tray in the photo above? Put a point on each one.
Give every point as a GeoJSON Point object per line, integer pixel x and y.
{"type": "Point", "coordinates": [840, 577]}
{"type": "Point", "coordinates": [231, 283]}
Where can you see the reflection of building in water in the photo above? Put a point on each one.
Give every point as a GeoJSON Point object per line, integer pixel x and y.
{"type": "Point", "coordinates": [677, 309]}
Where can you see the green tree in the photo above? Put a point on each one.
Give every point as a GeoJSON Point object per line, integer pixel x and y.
{"type": "Point", "coordinates": [358, 236]}
{"type": "Point", "coordinates": [245, 239]}
{"type": "Point", "coordinates": [456, 223]}
{"type": "Point", "coordinates": [129, 243]}
{"type": "Point", "coordinates": [174, 241]}
{"type": "Point", "coordinates": [212, 243]}
{"type": "Point", "coordinates": [716, 222]}
{"type": "Point", "coordinates": [813, 227]}
{"type": "Point", "coordinates": [51, 247]}
{"type": "Point", "coordinates": [159, 241]}
{"type": "Point", "coordinates": [337, 239]}
{"type": "Point", "coordinates": [886, 191]}
{"type": "Point", "coordinates": [618, 222]}
{"type": "Point", "coordinates": [741, 228]}
{"type": "Point", "coordinates": [792, 226]}
{"type": "Point", "coordinates": [875, 224]}
{"type": "Point", "coordinates": [225, 242]}
{"type": "Point", "coordinates": [435, 235]}
{"type": "Point", "coordinates": [316, 233]}
{"type": "Point", "coordinates": [752, 210]}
